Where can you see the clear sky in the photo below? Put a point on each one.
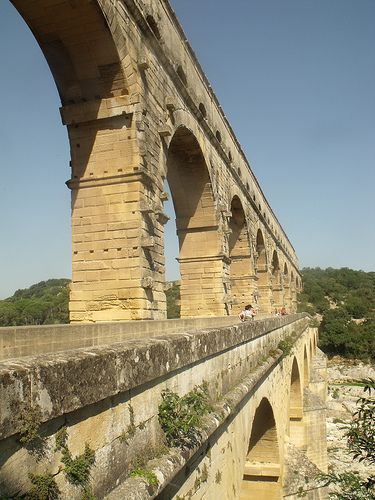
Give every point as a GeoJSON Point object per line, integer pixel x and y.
{"type": "Point", "coordinates": [296, 79]}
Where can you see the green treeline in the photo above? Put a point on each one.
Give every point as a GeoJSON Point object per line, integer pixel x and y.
{"type": "Point", "coordinates": [45, 303]}
{"type": "Point", "coordinates": [345, 299]}
{"type": "Point", "coordinates": [173, 300]}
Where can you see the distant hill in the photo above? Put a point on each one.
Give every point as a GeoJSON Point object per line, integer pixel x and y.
{"type": "Point", "coordinates": [45, 303]}
{"type": "Point", "coordinates": [344, 299]}
{"type": "Point", "coordinates": [173, 300]}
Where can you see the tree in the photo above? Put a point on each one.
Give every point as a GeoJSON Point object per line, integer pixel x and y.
{"type": "Point", "coordinates": [346, 300]}
{"type": "Point", "coordinates": [173, 297]}
{"type": "Point", "coordinates": [44, 303]}
{"type": "Point", "coordinates": [361, 444]}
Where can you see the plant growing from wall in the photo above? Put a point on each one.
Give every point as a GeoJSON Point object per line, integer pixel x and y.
{"type": "Point", "coordinates": [202, 477]}
{"type": "Point", "coordinates": [77, 470]}
{"type": "Point", "coordinates": [218, 477]}
{"type": "Point", "coordinates": [178, 416]}
{"type": "Point", "coordinates": [141, 470]}
{"type": "Point", "coordinates": [30, 417]}
{"type": "Point", "coordinates": [131, 427]}
{"type": "Point", "coordinates": [44, 488]}
{"type": "Point", "coordinates": [286, 345]}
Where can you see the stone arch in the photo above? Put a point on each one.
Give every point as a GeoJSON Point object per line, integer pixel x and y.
{"type": "Point", "coordinates": [293, 292]}
{"type": "Point", "coordinates": [67, 44]}
{"type": "Point", "coordinates": [295, 406]}
{"type": "Point", "coordinates": [305, 368]}
{"type": "Point", "coordinates": [86, 64]}
{"type": "Point", "coordinates": [264, 287]}
{"type": "Point", "coordinates": [261, 480]}
{"type": "Point", "coordinates": [118, 134]}
{"type": "Point", "coordinates": [277, 285]}
{"type": "Point", "coordinates": [201, 264]}
{"type": "Point", "coordinates": [287, 288]}
{"type": "Point", "coordinates": [241, 272]}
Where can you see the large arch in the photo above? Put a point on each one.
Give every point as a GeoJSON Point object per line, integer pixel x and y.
{"type": "Point", "coordinates": [296, 428]}
{"type": "Point", "coordinates": [306, 376]}
{"type": "Point", "coordinates": [277, 285]}
{"type": "Point", "coordinates": [201, 265]}
{"type": "Point", "coordinates": [241, 267]}
{"type": "Point", "coordinates": [77, 42]}
{"type": "Point", "coordinates": [287, 286]}
{"type": "Point", "coordinates": [262, 477]}
{"type": "Point", "coordinates": [264, 286]}
{"type": "Point", "coordinates": [127, 79]}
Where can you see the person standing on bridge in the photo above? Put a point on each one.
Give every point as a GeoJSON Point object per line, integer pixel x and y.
{"type": "Point", "coordinates": [247, 314]}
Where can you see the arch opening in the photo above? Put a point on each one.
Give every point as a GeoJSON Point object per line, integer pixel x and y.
{"type": "Point", "coordinates": [305, 368]}
{"type": "Point", "coordinates": [201, 265]}
{"type": "Point", "coordinates": [241, 273]}
{"type": "Point", "coordinates": [262, 476]}
{"type": "Point", "coordinates": [296, 427]}
{"type": "Point", "coordinates": [264, 286]}
{"type": "Point", "coordinates": [286, 287]}
{"type": "Point", "coordinates": [277, 286]}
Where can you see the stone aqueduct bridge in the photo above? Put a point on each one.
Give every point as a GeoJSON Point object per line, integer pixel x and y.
{"type": "Point", "coordinates": [140, 112]}
{"type": "Point", "coordinates": [264, 440]}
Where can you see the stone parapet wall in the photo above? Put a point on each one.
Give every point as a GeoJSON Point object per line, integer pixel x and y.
{"type": "Point", "coordinates": [102, 393]}
{"type": "Point", "coordinates": [19, 341]}
{"type": "Point", "coordinates": [74, 378]}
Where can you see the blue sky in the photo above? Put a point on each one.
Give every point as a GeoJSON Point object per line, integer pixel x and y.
{"type": "Point", "coordinates": [296, 79]}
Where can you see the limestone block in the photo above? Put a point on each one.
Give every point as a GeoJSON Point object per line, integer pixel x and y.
{"type": "Point", "coordinates": [147, 282]}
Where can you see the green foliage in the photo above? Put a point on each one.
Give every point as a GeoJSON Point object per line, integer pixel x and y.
{"type": "Point", "coordinates": [361, 443]}
{"type": "Point", "coordinates": [178, 416]}
{"type": "Point", "coordinates": [336, 394]}
{"type": "Point", "coordinates": [202, 477]}
{"type": "Point", "coordinates": [44, 488]}
{"type": "Point", "coordinates": [141, 470]}
{"type": "Point", "coordinates": [30, 417]}
{"type": "Point", "coordinates": [286, 345]}
{"type": "Point", "coordinates": [131, 427]}
{"type": "Point", "coordinates": [77, 470]}
{"type": "Point", "coordinates": [173, 298]}
{"type": "Point", "coordinates": [218, 477]}
{"type": "Point", "coordinates": [346, 300]}
{"type": "Point", "coordinates": [45, 303]}
{"type": "Point", "coordinates": [344, 285]}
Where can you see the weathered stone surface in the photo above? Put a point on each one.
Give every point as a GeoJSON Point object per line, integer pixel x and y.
{"type": "Point", "coordinates": [73, 379]}
{"type": "Point", "coordinates": [301, 477]}
{"type": "Point", "coordinates": [108, 397]}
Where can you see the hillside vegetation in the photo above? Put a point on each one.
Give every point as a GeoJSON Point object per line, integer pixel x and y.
{"type": "Point", "coordinates": [45, 303]}
{"type": "Point", "coordinates": [345, 300]}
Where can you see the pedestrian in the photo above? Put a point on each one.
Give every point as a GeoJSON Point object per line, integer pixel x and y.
{"type": "Point", "coordinates": [247, 314]}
